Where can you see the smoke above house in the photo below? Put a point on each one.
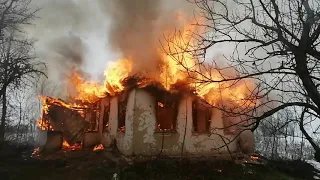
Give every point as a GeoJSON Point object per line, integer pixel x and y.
{"type": "Point", "coordinates": [91, 47]}
{"type": "Point", "coordinates": [86, 35]}
{"type": "Point", "coordinates": [119, 40]}
{"type": "Point", "coordinates": [137, 26]}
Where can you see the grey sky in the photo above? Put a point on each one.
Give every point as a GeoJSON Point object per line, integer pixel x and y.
{"type": "Point", "coordinates": [59, 19]}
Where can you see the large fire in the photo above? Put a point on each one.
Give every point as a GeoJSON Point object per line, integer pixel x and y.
{"type": "Point", "coordinates": [171, 72]}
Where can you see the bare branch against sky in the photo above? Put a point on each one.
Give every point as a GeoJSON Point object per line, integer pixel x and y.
{"type": "Point", "coordinates": [17, 64]}
{"type": "Point", "coordinates": [276, 45]}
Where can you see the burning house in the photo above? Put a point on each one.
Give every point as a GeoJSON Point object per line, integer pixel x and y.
{"type": "Point", "coordinates": [142, 119]}
{"type": "Point", "coordinates": [148, 103]}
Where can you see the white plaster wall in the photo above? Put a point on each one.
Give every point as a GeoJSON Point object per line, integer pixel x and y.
{"type": "Point", "coordinates": [107, 136]}
{"type": "Point", "coordinates": [111, 131]}
{"type": "Point", "coordinates": [140, 136]}
{"type": "Point", "coordinates": [105, 102]}
{"type": "Point", "coordinates": [202, 144]}
{"type": "Point", "coordinates": [125, 139]}
{"type": "Point", "coordinates": [145, 123]}
{"type": "Point", "coordinates": [113, 117]}
{"type": "Point", "coordinates": [207, 142]}
{"type": "Point", "coordinates": [147, 119]}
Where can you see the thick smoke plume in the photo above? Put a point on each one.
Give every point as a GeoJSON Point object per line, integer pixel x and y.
{"type": "Point", "coordinates": [70, 35]}
{"type": "Point", "coordinates": [85, 34]}
{"type": "Point", "coordinates": [135, 30]}
{"type": "Point", "coordinates": [69, 52]}
{"type": "Point", "coordinates": [137, 26]}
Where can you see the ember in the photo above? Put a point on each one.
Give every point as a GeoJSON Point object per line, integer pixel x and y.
{"type": "Point", "coordinates": [67, 147]}
{"type": "Point", "coordinates": [35, 152]}
{"type": "Point", "coordinates": [98, 147]}
{"type": "Point", "coordinates": [160, 104]}
{"type": "Point", "coordinates": [44, 124]}
{"type": "Point", "coordinates": [254, 157]}
{"type": "Point", "coordinates": [122, 128]}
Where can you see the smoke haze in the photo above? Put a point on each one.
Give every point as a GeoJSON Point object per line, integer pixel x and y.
{"type": "Point", "coordinates": [138, 25]}
{"type": "Point", "coordinates": [86, 34]}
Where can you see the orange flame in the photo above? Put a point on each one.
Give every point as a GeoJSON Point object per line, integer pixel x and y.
{"type": "Point", "coordinates": [98, 147]}
{"type": "Point", "coordinates": [170, 73]}
{"type": "Point", "coordinates": [43, 123]}
{"type": "Point", "coordinates": [66, 146]}
{"type": "Point", "coordinates": [85, 91]}
{"type": "Point", "coordinates": [116, 72]}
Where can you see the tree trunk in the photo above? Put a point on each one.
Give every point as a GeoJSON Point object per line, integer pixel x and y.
{"type": "Point", "coordinates": [3, 119]}
{"type": "Point", "coordinates": [19, 124]}
{"type": "Point", "coordinates": [301, 147]}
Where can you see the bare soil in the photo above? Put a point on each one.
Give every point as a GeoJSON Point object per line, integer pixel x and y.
{"type": "Point", "coordinates": [86, 164]}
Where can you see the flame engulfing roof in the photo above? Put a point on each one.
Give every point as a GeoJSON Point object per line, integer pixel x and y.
{"type": "Point", "coordinates": [166, 75]}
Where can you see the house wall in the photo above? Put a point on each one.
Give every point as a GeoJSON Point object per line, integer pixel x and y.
{"type": "Point", "coordinates": [140, 137]}
{"type": "Point", "coordinates": [104, 134]}
{"type": "Point", "coordinates": [149, 142]}
{"type": "Point", "coordinates": [124, 140]}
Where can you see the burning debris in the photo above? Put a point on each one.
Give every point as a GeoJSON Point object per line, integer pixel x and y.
{"type": "Point", "coordinates": [98, 147]}
{"type": "Point", "coordinates": [251, 159]}
{"type": "Point", "coordinates": [68, 118]}
{"type": "Point", "coordinates": [74, 147]}
{"type": "Point", "coordinates": [35, 152]}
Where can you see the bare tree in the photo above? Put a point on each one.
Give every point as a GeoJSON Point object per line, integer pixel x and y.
{"type": "Point", "coordinates": [276, 45]}
{"type": "Point", "coordinates": [18, 66]}
{"type": "Point", "coordinates": [278, 136]}
{"type": "Point", "coordinates": [14, 14]}
{"type": "Point", "coordinates": [18, 69]}
{"type": "Point", "coordinates": [24, 113]}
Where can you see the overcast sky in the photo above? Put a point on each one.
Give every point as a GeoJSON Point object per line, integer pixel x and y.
{"type": "Point", "coordinates": [71, 19]}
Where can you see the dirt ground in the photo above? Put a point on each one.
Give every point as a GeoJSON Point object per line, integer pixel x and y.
{"type": "Point", "coordinates": [86, 164]}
